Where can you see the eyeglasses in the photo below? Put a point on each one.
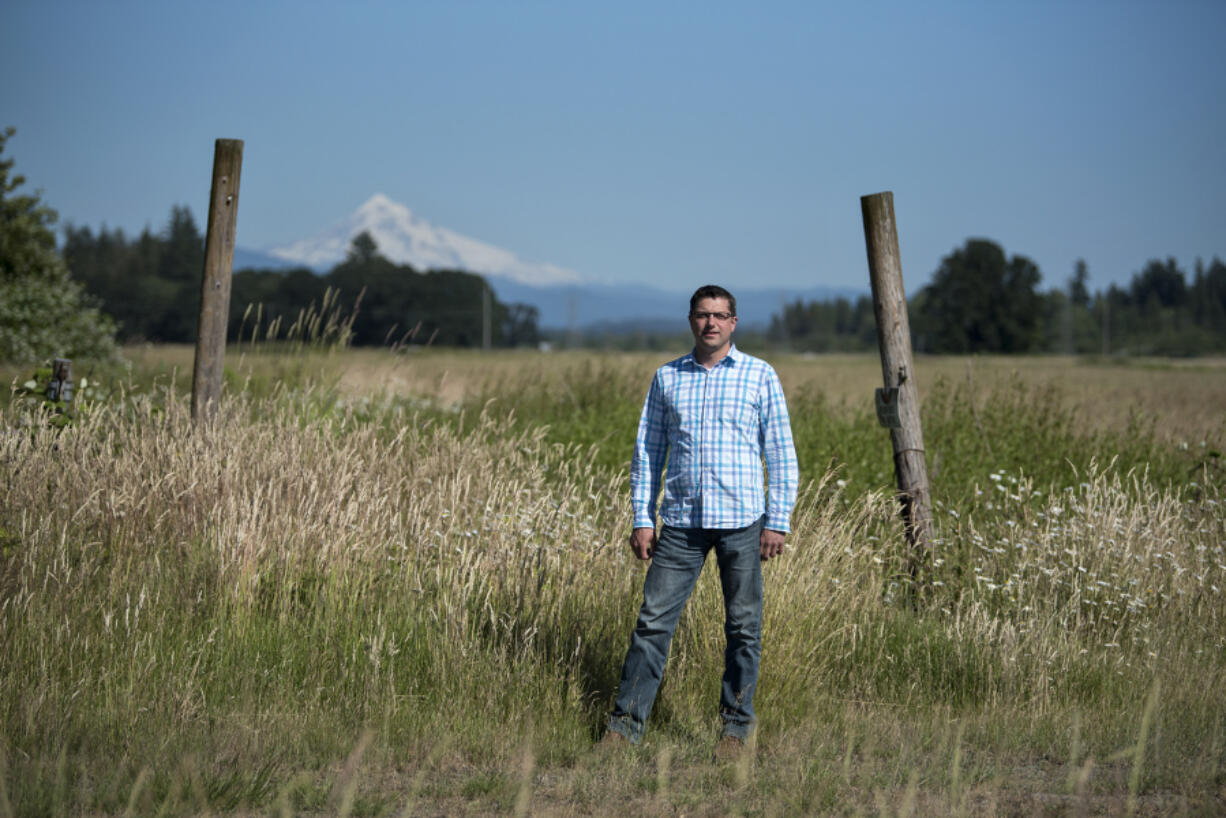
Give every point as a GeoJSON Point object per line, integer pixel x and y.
{"type": "Point", "coordinates": [718, 316]}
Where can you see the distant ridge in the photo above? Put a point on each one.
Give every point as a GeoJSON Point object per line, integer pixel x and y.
{"type": "Point", "coordinates": [255, 260]}
{"type": "Point", "coordinates": [586, 305]}
{"type": "Point", "coordinates": [406, 238]}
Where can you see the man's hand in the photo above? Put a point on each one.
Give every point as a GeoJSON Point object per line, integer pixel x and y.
{"type": "Point", "coordinates": [771, 543]}
{"type": "Point", "coordinates": [643, 542]}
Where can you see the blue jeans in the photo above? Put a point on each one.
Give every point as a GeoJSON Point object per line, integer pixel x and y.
{"type": "Point", "coordinates": [675, 565]}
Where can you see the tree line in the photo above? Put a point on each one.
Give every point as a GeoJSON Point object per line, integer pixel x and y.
{"type": "Point", "coordinates": [150, 285]}
{"type": "Point", "coordinates": [981, 300]}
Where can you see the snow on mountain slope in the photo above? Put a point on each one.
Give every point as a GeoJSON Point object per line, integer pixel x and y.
{"type": "Point", "coordinates": [408, 239]}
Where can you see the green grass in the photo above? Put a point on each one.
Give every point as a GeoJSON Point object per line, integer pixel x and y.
{"type": "Point", "coordinates": [330, 603]}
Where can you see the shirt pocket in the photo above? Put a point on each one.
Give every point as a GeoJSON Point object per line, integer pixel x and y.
{"type": "Point", "coordinates": [739, 411]}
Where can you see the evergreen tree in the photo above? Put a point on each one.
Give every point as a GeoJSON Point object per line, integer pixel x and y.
{"type": "Point", "coordinates": [1079, 294]}
{"type": "Point", "coordinates": [1078, 331]}
{"type": "Point", "coordinates": [180, 266]}
{"type": "Point", "coordinates": [826, 326]}
{"type": "Point", "coordinates": [44, 313]}
{"type": "Point", "coordinates": [1209, 297]}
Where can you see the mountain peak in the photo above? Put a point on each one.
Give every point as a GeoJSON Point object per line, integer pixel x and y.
{"type": "Point", "coordinates": [408, 239]}
{"type": "Point", "coordinates": [381, 200]}
{"type": "Point", "coordinates": [380, 204]}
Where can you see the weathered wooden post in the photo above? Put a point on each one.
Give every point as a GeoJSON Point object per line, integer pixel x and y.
{"type": "Point", "coordinates": [215, 286]}
{"type": "Point", "coordinates": [898, 403]}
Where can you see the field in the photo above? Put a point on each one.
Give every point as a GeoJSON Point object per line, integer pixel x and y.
{"type": "Point", "coordinates": [397, 584]}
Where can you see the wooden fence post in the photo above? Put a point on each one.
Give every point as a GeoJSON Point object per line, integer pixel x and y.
{"type": "Point", "coordinates": [901, 411]}
{"type": "Point", "coordinates": [215, 286]}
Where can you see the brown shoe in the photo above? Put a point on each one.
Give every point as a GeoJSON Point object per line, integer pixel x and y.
{"type": "Point", "coordinates": [612, 740]}
{"type": "Point", "coordinates": [730, 748]}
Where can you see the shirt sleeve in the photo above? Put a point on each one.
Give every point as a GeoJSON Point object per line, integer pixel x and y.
{"type": "Point", "coordinates": [779, 452]}
{"type": "Point", "coordinates": [650, 451]}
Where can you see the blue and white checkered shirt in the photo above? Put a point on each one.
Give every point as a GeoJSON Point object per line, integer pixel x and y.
{"type": "Point", "coordinates": [714, 428]}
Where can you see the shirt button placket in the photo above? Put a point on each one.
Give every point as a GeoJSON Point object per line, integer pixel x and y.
{"type": "Point", "coordinates": [707, 436]}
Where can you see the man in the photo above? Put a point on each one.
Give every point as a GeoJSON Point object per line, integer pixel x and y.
{"type": "Point", "coordinates": [713, 416]}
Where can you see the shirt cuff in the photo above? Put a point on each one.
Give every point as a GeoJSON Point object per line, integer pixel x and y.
{"type": "Point", "coordinates": [778, 524]}
{"type": "Point", "coordinates": [643, 518]}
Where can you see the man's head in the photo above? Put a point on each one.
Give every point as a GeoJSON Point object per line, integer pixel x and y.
{"type": "Point", "coordinates": [712, 320]}
{"type": "Point", "coordinates": [712, 291]}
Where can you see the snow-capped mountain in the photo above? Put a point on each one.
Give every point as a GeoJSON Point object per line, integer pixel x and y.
{"type": "Point", "coordinates": [563, 298]}
{"type": "Point", "coordinates": [408, 239]}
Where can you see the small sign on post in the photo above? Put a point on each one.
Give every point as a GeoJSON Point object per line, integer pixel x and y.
{"type": "Point", "coordinates": [215, 286]}
{"type": "Point", "coordinates": [898, 401]}
{"type": "Point", "coordinates": [887, 407]}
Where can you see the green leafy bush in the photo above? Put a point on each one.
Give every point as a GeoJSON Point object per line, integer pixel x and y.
{"type": "Point", "coordinates": [43, 311]}
{"type": "Point", "coordinates": [37, 393]}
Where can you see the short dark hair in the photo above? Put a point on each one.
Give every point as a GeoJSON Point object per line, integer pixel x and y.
{"type": "Point", "coordinates": [712, 291]}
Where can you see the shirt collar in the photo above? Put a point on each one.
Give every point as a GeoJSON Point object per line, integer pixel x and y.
{"type": "Point", "coordinates": [733, 356]}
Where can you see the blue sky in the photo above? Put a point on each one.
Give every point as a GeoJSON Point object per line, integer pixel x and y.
{"type": "Point", "coordinates": [669, 143]}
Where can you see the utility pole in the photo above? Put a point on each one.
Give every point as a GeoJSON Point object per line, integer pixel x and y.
{"type": "Point", "coordinates": [898, 402]}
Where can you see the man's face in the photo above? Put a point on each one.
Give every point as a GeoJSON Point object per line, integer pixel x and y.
{"type": "Point", "coordinates": [712, 334]}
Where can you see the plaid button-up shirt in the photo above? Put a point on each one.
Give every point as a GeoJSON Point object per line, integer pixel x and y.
{"type": "Point", "coordinates": [714, 428]}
